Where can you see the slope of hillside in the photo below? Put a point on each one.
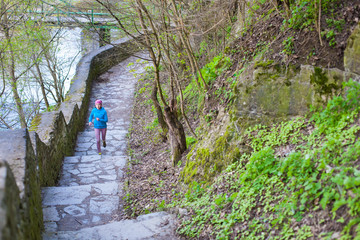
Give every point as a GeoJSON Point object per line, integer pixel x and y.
{"type": "Point", "coordinates": [261, 168]}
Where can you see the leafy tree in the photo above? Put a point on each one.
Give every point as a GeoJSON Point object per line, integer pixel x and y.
{"type": "Point", "coordinates": [13, 24]}
{"type": "Point", "coordinates": [28, 62]}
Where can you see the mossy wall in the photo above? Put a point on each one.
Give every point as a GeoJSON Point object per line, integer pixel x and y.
{"type": "Point", "coordinates": [32, 207]}
{"type": "Point", "coordinates": [9, 205]}
{"type": "Point", "coordinates": [352, 52]}
{"type": "Point", "coordinates": [266, 93]}
{"type": "Point", "coordinates": [222, 146]}
{"type": "Point", "coordinates": [21, 200]}
{"type": "Point", "coordinates": [273, 92]}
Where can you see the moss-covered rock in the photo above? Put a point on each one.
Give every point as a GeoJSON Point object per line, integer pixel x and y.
{"type": "Point", "coordinates": [213, 154]}
{"type": "Point", "coordinates": [35, 123]}
{"type": "Point", "coordinates": [352, 52]}
{"type": "Point", "coordinates": [266, 93]}
{"type": "Point", "coordinates": [269, 92]}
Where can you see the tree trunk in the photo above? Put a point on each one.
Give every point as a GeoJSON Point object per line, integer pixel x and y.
{"type": "Point", "coordinates": [19, 107]}
{"type": "Point", "coordinates": [11, 67]}
{"type": "Point", "coordinates": [176, 134]}
{"type": "Point", "coordinates": [155, 61]}
{"type": "Point", "coordinates": [13, 81]}
{"type": "Point", "coordinates": [41, 82]}
{"type": "Point", "coordinates": [159, 112]}
{"type": "Point", "coordinates": [174, 77]}
{"type": "Point", "coordinates": [186, 43]}
{"type": "Point", "coordinates": [52, 70]}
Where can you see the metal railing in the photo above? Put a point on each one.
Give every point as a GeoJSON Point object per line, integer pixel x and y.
{"type": "Point", "coordinates": [74, 12]}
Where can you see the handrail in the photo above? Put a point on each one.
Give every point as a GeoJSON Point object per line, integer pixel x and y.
{"type": "Point", "coordinates": [60, 12]}
{"type": "Point", "coordinates": [47, 13]}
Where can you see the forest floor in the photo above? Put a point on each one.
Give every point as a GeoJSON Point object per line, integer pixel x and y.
{"type": "Point", "coordinates": [304, 44]}
{"type": "Point", "coordinates": [152, 179]}
{"type": "Point", "coordinates": [151, 176]}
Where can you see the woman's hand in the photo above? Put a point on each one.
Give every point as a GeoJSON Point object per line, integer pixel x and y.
{"type": "Point", "coordinates": [90, 123]}
{"type": "Point", "coordinates": [98, 119]}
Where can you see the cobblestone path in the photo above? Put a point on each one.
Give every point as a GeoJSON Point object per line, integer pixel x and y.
{"type": "Point", "coordinates": [86, 204]}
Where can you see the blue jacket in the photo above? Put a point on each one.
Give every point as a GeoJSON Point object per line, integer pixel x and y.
{"type": "Point", "coordinates": [101, 114]}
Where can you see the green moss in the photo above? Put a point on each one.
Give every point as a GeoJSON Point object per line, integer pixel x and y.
{"type": "Point", "coordinates": [234, 154]}
{"type": "Point", "coordinates": [267, 74]}
{"type": "Point", "coordinates": [274, 76]}
{"type": "Point", "coordinates": [189, 171]}
{"type": "Point", "coordinates": [322, 84]}
{"type": "Point", "coordinates": [35, 123]}
{"type": "Point", "coordinates": [203, 154]}
{"type": "Point", "coordinates": [67, 98]}
{"type": "Point", "coordinates": [193, 172]}
{"type": "Point", "coordinates": [274, 98]}
{"type": "Point", "coordinates": [263, 64]}
{"type": "Point", "coordinates": [190, 154]}
{"type": "Point", "coordinates": [205, 163]}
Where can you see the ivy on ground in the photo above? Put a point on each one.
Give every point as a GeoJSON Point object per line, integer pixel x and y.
{"type": "Point", "coordinates": [269, 194]}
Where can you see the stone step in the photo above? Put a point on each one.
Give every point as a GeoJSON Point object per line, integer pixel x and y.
{"type": "Point", "coordinates": [86, 134]}
{"type": "Point", "coordinates": [75, 207]}
{"type": "Point", "coordinates": [151, 226]}
{"type": "Point", "coordinates": [108, 151]}
{"type": "Point", "coordinates": [90, 133]}
{"type": "Point", "coordinates": [115, 139]}
{"type": "Point", "coordinates": [83, 170]}
{"type": "Point", "coordinates": [120, 146]}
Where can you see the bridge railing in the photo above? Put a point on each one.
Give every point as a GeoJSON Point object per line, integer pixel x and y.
{"type": "Point", "coordinates": [70, 10]}
{"type": "Point", "coordinates": [59, 13]}
{"type": "Point", "coordinates": [89, 12]}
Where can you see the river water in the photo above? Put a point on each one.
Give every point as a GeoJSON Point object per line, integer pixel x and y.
{"type": "Point", "coordinates": [73, 43]}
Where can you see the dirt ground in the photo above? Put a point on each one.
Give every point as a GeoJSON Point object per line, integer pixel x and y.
{"type": "Point", "coordinates": [307, 48]}
{"type": "Point", "coordinates": [151, 179]}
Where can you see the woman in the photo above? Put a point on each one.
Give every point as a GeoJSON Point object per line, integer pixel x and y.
{"type": "Point", "coordinates": [100, 116]}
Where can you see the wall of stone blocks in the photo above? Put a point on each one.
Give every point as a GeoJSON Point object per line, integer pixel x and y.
{"type": "Point", "coordinates": [21, 213]}
{"type": "Point", "coordinates": [10, 204]}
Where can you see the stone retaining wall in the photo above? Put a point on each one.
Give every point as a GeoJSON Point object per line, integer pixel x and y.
{"type": "Point", "coordinates": [29, 161]}
{"type": "Point", "coordinates": [10, 204]}
{"type": "Point", "coordinates": [20, 208]}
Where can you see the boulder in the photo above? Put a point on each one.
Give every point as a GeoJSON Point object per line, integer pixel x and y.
{"type": "Point", "coordinates": [352, 52]}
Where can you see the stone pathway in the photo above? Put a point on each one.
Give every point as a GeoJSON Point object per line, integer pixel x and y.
{"type": "Point", "coordinates": [87, 202]}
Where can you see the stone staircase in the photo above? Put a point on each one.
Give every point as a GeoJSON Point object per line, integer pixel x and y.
{"type": "Point", "coordinates": [87, 203]}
